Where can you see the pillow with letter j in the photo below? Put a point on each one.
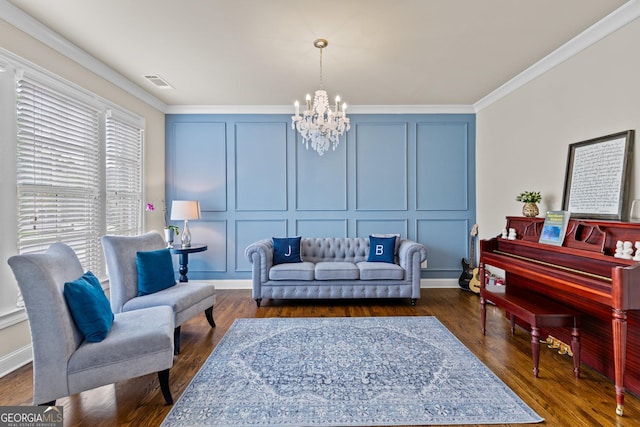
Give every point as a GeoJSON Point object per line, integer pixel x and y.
{"type": "Point", "coordinates": [286, 249]}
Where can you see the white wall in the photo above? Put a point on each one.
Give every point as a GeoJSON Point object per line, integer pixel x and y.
{"type": "Point", "coordinates": [15, 339]}
{"type": "Point", "coordinates": [522, 139]}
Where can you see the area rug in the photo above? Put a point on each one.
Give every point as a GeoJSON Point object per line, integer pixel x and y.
{"type": "Point", "coordinates": [344, 372]}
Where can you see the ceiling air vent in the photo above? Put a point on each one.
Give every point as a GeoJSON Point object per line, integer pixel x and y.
{"type": "Point", "coordinates": [158, 81]}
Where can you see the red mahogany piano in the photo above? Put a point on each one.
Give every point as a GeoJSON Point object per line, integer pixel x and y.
{"type": "Point", "coordinates": [583, 274]}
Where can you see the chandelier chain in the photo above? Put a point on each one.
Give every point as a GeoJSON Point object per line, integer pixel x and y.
{"type": "Point", "coordinates": [321, 82]}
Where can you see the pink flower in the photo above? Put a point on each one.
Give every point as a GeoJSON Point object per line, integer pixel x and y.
{"type": "Point", "coordinates": [150, 208]}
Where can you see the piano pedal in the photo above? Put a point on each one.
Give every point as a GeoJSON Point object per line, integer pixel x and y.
{"type": "Point", "coordinates": [551, 342]}
{"type": "Point", "coordinates": [565, 349]}
{"type": "Point", "coordinates": [555, 343]}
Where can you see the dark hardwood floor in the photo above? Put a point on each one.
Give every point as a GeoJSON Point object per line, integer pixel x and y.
{"type": "Point", "coordinates": [556, 395]}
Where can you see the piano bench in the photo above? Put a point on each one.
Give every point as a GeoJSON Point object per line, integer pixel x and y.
{"type": "Point", "coordinates": [538, 312]}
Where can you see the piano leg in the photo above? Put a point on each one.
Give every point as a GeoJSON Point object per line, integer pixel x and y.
{"type": "Point", "coordinates": [483, 315]}
{"type": "Point", "coordinates": [483, 302]}
{"type": "Point", "coordinates": [575, 348]}
{"type": "Point", "coordinates": [619, 355]}
{"type": "Point", "coordinates": [535, 349]}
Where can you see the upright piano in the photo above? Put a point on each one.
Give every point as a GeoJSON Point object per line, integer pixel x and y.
{"type": "Point", "coordinates": [584, 274]}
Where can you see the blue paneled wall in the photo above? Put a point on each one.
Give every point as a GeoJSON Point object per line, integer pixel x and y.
{"type": "Point", "coordinates": [411, 174]}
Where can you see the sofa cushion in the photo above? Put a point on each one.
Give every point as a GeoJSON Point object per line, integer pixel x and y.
{"type": "Point", "coordinates": [292, 271]}
{"type": "Point", "coordinates": [122, 347]}
{"type": "Point", "coordinates": [336, 271]}
{"type": "Point", "coordinates": [380, 271]}
{"type": "Point", "coordinates": [382, 249]}
{"type": "Point", "coordinates": [89, 307]}
{"type": "Point", "coordinates": [286, 250]}
{"type": "Point", "coordinates": [184, 298]}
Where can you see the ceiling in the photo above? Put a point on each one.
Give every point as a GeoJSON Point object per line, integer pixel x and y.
{"type": "Point", "coordinates": [380, 52]}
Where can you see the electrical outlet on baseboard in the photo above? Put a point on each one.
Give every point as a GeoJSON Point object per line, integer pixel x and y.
{"type": "Point", "coordinates": [423, 264]}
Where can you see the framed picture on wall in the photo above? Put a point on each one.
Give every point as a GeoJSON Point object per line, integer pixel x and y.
{"type": "Point", "coordinates": [597, 178]}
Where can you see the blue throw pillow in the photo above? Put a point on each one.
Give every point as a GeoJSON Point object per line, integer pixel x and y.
{"type": "Point", "coordinates": [382, 249]}
{"type": "Point", "coordinates": [286, 249]}
{"type": "Point", "coordinates": [89, 307]}
{"type": "Point", "coordinates": [398, 240]}
{"type": "Point", "coordinates": [155, 271]}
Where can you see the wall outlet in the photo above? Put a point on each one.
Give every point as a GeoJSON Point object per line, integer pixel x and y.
{"type": "Point", "coordinates": [423, 264]}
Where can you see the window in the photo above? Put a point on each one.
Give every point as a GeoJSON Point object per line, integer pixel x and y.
{"type": "Point", "coordinates": [79, 170]}
{"type": "Point", "coordinates": [58, 173]}
{"type": "Point", "coordinates": [123, 176]}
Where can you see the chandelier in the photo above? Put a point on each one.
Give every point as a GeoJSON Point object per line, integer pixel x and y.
{"type": "Point", "coordinates": [319, 124]}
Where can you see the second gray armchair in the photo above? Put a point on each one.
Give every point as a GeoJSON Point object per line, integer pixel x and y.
{"type": "Point", "coordinates": [187, 299]}
{"type": "Point", "coordinates": [64, 362]}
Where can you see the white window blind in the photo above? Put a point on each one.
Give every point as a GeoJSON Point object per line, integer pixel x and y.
{"type": "Point", "coordinates": [59, 173]}
{"type": "Point", "coordinates": [123, 176]}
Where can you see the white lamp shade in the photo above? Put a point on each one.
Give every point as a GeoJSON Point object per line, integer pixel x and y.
{"type": "Point", "coordinates": [185, 209]}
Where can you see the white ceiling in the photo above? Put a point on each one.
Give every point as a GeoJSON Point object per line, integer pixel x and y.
{"type": "Point", "coordinates": [259, 52]}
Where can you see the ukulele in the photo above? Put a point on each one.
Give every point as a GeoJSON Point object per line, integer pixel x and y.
{"type": "Point", "coordinates": [469, 280]}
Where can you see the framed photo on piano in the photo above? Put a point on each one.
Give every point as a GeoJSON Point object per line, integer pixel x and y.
{"type": "Point", "coordinates": [597, 178]}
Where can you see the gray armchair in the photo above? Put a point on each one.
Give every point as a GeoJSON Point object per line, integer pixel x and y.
{"type": "Point", "coordinates": [185, 298]}
{"type": "Point", "coordinates": [139, 342]}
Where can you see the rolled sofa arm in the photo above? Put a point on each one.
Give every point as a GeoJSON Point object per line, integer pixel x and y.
{"type": "Point", "coordinates": [406, 253]}
{"type": "Point", "coordinates": [410, 255]}
{"type": "Point", "coordinates": [260, 255]}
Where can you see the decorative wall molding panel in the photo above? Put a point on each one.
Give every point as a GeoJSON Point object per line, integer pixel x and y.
{"type": "Point", "coordinates": [261, 166]}
{"type": "Point", "coordinates": [199, 177]}
{"type": "Point", "coordinates": [381, 166]}
{"type": "Point", "coordinates": [411, 174]}
{"type": "Point", "coordinates": [442, 155]}
{"type": "Point", "coordinates": [321, 227]}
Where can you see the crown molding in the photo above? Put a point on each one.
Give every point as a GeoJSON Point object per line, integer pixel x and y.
{"type": "Point", "coordinates": [229, 109]}
{"type": "Point", "coordinates": [34, 28]}
{"type": "Point", "coordinates": [411, 109]}
{"type": "Point", "coordinates": [606, 26]}
{"type": "Point", "coordinates": [288, 109]}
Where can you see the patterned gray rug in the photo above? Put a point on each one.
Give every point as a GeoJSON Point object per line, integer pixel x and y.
{"type": "Point", "coordinates": [344, 372]}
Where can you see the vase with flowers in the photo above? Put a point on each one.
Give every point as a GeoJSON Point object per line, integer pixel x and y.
{"type": "Point", "coordinates": [530, 200]}
{"type": "Point", "coordinates": [170, 231]}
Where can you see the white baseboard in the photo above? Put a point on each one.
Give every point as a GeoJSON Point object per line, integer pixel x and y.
{"type": "Point", "coordinates": [12, 318]}
{"type": "Point", "coordinates": [246, 283]}
{"type": "Point", "coordinates": [16, 359]}
{"type": "Point", "coordinates": [439, 283]}
{"type": "Point", "coordinates": [230, 284]}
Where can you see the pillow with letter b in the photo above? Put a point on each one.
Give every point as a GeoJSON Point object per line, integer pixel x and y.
{"type": "Point", "coordinates": [382, 249]}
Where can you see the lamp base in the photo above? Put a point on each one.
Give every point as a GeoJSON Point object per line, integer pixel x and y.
{"type": "Point", "coordinates": [186, 235]}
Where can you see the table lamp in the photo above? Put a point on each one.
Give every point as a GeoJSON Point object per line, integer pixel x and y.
{"type": "Point", "coordinates": [186, 210]}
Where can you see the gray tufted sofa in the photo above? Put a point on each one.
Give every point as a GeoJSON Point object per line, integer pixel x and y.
{"type": "Point", "coordinates": [336, 268]}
